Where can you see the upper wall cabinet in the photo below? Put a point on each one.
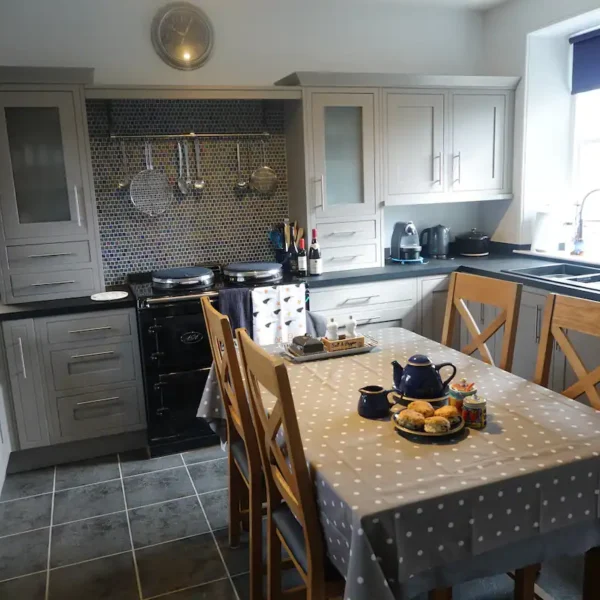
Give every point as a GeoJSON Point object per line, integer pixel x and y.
{"type": "Point", "coordinates": [48, 233]}
{"type": "Point", "coordinates": [447, 146]}
{"type": "Point", "coordinates": [343, 154]}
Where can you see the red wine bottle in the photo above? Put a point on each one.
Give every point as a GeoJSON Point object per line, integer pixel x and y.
{"type": "Point", "coordinates": [293, 251]}
{"type": "Point", "coordinates": [315, 260]}
{"type": "Point", "coordinates": [302, 261]}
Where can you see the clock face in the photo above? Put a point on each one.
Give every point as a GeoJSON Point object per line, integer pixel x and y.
{"type": "Point", "coordinates": [182, 36]}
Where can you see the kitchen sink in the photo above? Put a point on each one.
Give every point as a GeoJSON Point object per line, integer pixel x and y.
{"type": "Point", "coordinates": [565, 273]}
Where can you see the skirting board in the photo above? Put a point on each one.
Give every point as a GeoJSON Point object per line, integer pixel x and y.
{"type": "Point", "coordinates": [36, 458]}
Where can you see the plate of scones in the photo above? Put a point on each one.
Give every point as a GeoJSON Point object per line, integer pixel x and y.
{"type": "Point", "coordinates": [421, 419]}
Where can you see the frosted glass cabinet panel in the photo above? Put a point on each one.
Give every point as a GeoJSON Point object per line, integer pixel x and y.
{"type": "Point", "coordinates": [343, 129]}
{"type": "Point", "coordinates": [40, 177]}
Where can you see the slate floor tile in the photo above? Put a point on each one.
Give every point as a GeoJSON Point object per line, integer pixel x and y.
{"type": "Point", "coordinates": [137, 462]}
{"type": "Point", "coordinates": [157, 487]}
{"type": "Point", "coordinates": [88, 501]}
{"type": "Point", "coordinates": [175, 565]}
{"type": "Point", "coordinates": [218, 590]}
{"type": "Point", "coordinates": [210, 476]}
{"type": "Point", "coordinates": [22, 515]}
{"type": "Point", "coordinates": [30, 587]}
{"type": "Point", "coordinates": [111, 578]}
{"type": "Point", "coordinates": [167, 521]}
{"type": "Point", "coordinates": [92, 538]}
{"type": "Point", "coordinates": [29, 483]}
{"type": "Point", "coordinates": [216, 505]}
{"type": "Point", "coordinates": [201, 454]}
{"type": "Point", "coordinates": [24, 553]}
{"type": "Point", "coordinates": [236, 559]}
{"type": "Point", "coordinates": [94, 470]}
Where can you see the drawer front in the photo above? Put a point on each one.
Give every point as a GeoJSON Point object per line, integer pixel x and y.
{"type": "Point", "coordinates": [105, 325]}
{"type": "Point", "coordinates": [55, 282]}
{"type": "Point", "coordinates": [35, 257]}
{"type": "Point", "coordinates": [92, 365]}
{"type": "Point", "coordinates": [337, 234]}
{"type": "Point", "coordinates": [344, 258]}
{"type": "Point", "coordinates": [99, 413]}
{"type": "Point", "coordinates": [404, 312]}
{"type": "Point", "coordinates": [365, 295]}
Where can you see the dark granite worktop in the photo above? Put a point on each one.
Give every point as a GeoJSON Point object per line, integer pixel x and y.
{"type": "Point", "coordinates": [10, 312]}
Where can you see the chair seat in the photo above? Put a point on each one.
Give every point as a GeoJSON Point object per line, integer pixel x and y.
{"type": "Point", "coordinates": [238, 449]}
{"type": "Point", "coordinates": [292, 533]}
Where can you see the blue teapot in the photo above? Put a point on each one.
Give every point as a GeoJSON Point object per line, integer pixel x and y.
{"type": "Point", "coordinates": [420, 378]}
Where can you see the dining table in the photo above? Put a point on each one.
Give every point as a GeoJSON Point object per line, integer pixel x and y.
{"type": "Point", "coordinates": [403, 515]}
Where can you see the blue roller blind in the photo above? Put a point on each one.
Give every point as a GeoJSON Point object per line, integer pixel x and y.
{"type": "Point", "coordinates": [586, 62]}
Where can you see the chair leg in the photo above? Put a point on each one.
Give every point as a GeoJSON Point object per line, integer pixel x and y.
{"type": "Point", "coordinates": [525, 582]}
{"type": "Point", "coordinates": [273, 560]}
{"type": "Point", "coordinates": [441, 594]}
{"type": "Point", "coordinates": [591, 581]}
{"type": "Point", "coordinates": [256, 556]}
{"type": "Point", "coordinates": [237, 489]}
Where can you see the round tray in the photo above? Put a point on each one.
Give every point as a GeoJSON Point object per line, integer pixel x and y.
{"type": "Point", "coordinates": [426, 435]}
{"type": "Point", "coordinates": [397, 398]}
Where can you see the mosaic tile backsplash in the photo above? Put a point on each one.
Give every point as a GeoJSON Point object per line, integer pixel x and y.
{"type": "Point", "coordinates": [218, 224]}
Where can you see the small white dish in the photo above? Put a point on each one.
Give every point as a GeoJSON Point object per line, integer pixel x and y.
{"type": "Point", "coordinates": [106, 296]}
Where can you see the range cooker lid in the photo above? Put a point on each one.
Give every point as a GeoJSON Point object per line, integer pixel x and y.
{"type": "Point", "coordinates": [253, 272]}
{"type": "Point", "coordinates": [183, 277]}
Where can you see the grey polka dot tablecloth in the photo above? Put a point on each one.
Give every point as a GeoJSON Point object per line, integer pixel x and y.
{"type": "Point", "coordinates": [401, 517]}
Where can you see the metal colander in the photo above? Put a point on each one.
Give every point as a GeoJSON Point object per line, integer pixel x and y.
{"type": "Point", "coordinates": [150, 191]}
{"type": "Point", "coordinates": [264, 180]}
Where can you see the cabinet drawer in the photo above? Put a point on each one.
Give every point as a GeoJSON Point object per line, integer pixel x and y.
{"type": "Point", "coordinates": [92, 365]}
{"type": "Point", "coordinates": [343, 258]}
{"type": "Point", "coordinates": [39, 284]}
{"type": "Point", "coordinates": [336, 234]}
{"type": "Point", "coordinates": [99, 413]}
{"type": "Point", "coordinates": [41, 256]}
{"type": "Point", "coordinates": [364, 295]}
{"type": "Point", "coordinates": [88, 328]}
{"type": "Point", "coordinates": [404, 312]}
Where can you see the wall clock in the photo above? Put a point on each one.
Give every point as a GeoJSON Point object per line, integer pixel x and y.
{"type": "Point", "coordinates": [182, 36]}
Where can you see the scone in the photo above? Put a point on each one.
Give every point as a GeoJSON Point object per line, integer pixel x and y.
{"type": "Point", "coordinates": [437, 425]}
{"type": "Point", "coordinates": [422, 407]}
{"type": "Point", "coordinates": [411, 420]}
{"type": "Point", "coordinates": [449, 412]}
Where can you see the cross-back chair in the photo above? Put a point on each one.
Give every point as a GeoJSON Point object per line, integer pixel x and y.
{"type": "Point", "coordinates": [505, 295]}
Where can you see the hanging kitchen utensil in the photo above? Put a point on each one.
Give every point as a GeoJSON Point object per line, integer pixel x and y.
{"type": "Point", "coordinates": [125, 181]}
{"type": "Point", "coordinates": [188, 179]}
{"type": "Point", "coordinates": [149, 190]}
{"type": "Point", "coordinates": [241, 183]}
{"type": "Point", "coordinates": [199, 182]}
{"type": "Point", "coordinates": [264, 180]}
{"type": "Point", "coordinates": [181, 181]}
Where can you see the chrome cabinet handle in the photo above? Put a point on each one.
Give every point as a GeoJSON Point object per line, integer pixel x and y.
{"type": "Point", "coordinates": [482, 314]}
{"type": "Point", "coordinates": [98, 401]}
{"type": "Point", "coordinates": [437, 157]}
{"type": "Point", "coordinates": [20, 342]}
{"type": "Point", "coordinates": [334, 258]}
{"type": "Point", "coordinates": [361, 298]}
{"type": "Point", "coordinates": [53, 255]}
{"type": "Point", "coordinates": [77, 207]}
{"type": "Point", "coordinates": [457, 156]}
{"type": "Point", "coordinates": [93, 354]}
{"type": "Point", "coordinates": [538, 313]}
{"type": "Point", "coordinates": [359, 321]}
{"type": "Point", "coordinates": [106, 328]}
{"type": "Point", "coordinates": [322, 182]}
{"type": "Point", "coordinates": [343, 233]}
{"type": "Point", "coordinates": [52, 283]}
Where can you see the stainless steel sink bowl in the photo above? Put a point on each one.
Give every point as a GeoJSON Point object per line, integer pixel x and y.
{"type": "Point", "coordinates": [567, 274]}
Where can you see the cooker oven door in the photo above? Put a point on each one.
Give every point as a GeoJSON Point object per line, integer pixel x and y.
{"type": "Point", "coordinates": [173, 400]}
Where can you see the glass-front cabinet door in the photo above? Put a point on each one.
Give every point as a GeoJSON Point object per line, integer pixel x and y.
{"type": "Point", "coordinates": [41, 190]}
{"type": "Point", "coordinates": [343, 132]}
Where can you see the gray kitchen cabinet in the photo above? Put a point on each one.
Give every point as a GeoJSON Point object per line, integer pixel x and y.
{"type": "Point", "coordinates": [433, 293]}
{"type": "Point", "coordinates": [6, 439]}
{"type": "Point", "coordinates": [484, 315]}
{"type": "Point", "coordinates": [25, 374]}
{"type": "Point", "coordinates": [47, 205]}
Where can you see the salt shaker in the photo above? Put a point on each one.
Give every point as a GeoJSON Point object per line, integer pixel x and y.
{"type": "Point", "coordinates": [351, 326]}
{"type": "Point", "coordinates": [332, 330]}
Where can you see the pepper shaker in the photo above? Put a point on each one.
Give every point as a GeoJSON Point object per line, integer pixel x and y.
{"type": "Point", "coordinates": [332, 330]}
{"type": "Point", "coordinates": [351, 326]}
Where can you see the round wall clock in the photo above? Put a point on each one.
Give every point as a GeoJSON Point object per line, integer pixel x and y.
{"type": "Point", "coordinates": [182, 36]}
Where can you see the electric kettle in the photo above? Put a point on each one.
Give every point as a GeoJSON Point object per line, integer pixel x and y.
{"type": "Point", "coordinates": [435, 241]}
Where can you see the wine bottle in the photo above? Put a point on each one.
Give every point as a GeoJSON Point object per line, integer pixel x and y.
{"type": "Point", "coordinates": [315, 260]}
{"type": "Point", "coordinates": [302, 261]}
{"type": "Point", "coordinates": [293, 251]}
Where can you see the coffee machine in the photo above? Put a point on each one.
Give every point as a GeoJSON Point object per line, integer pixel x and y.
{"type": "Point", "coordinates": [405, 243]}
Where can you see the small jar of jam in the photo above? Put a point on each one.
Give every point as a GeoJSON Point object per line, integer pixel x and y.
{"type": "Point", "coordinates": [474, 412]}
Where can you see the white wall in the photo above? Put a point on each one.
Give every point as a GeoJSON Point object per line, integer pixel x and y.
{"type": "Point", "coordinates": [509, 49]}
{"type": "Point", "coordinates": [257, 41]}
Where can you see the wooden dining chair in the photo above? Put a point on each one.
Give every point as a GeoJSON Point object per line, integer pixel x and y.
{"type": "Point", "coordinates": [504, 295]}
{"type": "Point", "coordinates": [246, 482]}
{"type": "Point", "coordinates": [292, 515]}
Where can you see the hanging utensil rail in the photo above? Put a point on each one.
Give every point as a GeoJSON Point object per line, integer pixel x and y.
{"type": "Point", "coordinates": [264, 134]}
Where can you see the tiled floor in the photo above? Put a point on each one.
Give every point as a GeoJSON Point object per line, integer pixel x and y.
{"type": "Point", "coordinates": [129, 528]}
